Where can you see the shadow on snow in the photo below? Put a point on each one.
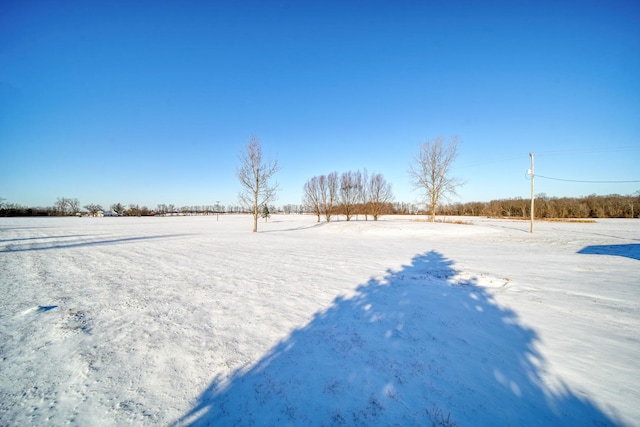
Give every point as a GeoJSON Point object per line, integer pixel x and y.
{"type": "Point", "coordinates": [26, 239]}
{"type": "Point", "coordinates": [629, 251]}
{"type": "Point", "coordinates": [302, 227]}
{"type": "Point", "coordinates": [417, 348]}
{"type": "Point", "coordinates": [23, 247]}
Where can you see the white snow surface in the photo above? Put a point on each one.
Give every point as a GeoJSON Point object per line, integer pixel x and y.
{"type": "Point", "coordinates": [199, 321]}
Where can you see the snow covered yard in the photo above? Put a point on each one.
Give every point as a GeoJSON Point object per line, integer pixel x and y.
{"type": "Point", "coordinates": [189, 320]}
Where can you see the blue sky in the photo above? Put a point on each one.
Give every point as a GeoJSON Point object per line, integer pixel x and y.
{"type": "Point", "coordinates": [151, 102]}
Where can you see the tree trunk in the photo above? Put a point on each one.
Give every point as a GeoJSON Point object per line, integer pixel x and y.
{"type": "Point", "coordinates": [255, 220]}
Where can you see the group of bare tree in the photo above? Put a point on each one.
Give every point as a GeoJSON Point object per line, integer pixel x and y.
{"type": "Point", "coordinates": [171, 209]}
{"type": "Point", "coordinates": [592, 206]}
{"type": "Point", "coordinates": [349, 194]}
{"type": "Point", "coordinates": [404, 208]}
{"type": "Point", "coordinates": [71, 206]}
{"type": "Point", "coordinates": [14, 209]}
{"type": "Point", "coordinates": [134, 209]}
{"type": "Point", "coordinates": [289, 209]}
{"type": "Point", "coordinates": [67, 206]}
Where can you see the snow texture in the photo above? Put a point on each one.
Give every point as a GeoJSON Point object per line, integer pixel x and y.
{"type": "Point", "coordinates": [197, 321]}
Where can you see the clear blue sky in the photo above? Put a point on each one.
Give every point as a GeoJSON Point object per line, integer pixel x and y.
{"type": "Point", "coordinates": [151, 102]}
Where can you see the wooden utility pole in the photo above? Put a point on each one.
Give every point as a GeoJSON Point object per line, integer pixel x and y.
{"type": "Point", "coordinates": [533, 175]}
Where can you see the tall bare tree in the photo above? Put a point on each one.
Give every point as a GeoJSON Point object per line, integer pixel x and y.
{"type": "Point", "coordinates": [380, 195]}
{"type": "Point", "coordinates": [254, 174]}
{"type": "Point", "coordinates": [348, 193]}
{"type": "Point", "coordinates": [328, 185]}
{"type": "Point", "coordinates": [363, 192]}
{"type": "Point", "coordinates": [430, 171]}
{"type": "Point", "coordinates": [312, 195]}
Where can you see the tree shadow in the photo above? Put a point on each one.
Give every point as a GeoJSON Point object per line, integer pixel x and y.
{"type": "Point", "coordinates": [631, 250]}
{"type": "Point", "coordinates": [420, 347]}
{"type": "Point", "coordinates": [523, 229]}
{"type": "Point", "coordinates": [10, 228]}
{"type": "Point", "coordinates": [23, 247]}
{"type": "Point", "coordinates": [298, 228]}
{"type": "Point", "coordinates": [26, 239]}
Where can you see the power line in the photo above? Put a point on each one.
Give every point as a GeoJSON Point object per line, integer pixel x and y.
{"type": "Point", "coordinates": [588, 182]}
{"type": "Point", "coordinates": [589, 151]}
{"type": "Point", "coordinates": [494, 159]}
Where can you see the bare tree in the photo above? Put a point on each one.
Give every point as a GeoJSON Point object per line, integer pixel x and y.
{"type": "Point", "coordinates": [254, 175]}
{"type": "Point", "coordinates": [117, 208]}
{"type": "Point", "coordinates": [61, 205]}
{"type": "Point", "coordinates": [328, 185]}
{"type": "Point", "coordinates": [380, 195]}
{"type": "Point", "coordinates": [93, 208]}
{"type": "Point", "coordinates": [290, 208]}
{"type": "Point", "coordinates": [134, 210]}
{"type": "Point", "coordinates": [74, 206]}
{"type": "Point", "coordinates": [363, 192]}
{"type": "Point", "coordinates": [333, 186]}
{"type": "Point", "coordinates": [66, 206]}
{"type": "Point", "coordinates": [348, 194]}
{"type": "Point", "coordinates": [430, 171]}
{"type": "Point", "coordinates": [312, 196]}
{"type": "Point", "coordinates": [326, 205]}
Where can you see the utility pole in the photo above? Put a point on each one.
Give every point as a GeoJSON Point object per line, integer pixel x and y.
{"type": "Point", "coordinates": [533, 175]}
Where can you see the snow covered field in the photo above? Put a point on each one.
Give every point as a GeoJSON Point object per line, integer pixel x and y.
{"type": "Point", "coordinates": [189, 320]}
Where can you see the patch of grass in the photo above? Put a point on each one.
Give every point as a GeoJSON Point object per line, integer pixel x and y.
{"type": "Point", "coordinates": [456, 221]}
{"type": "Point", "coordinates": [586, 221]}
{"type": "Point", "coordinates": [577, 220]}
{"type": "Point", "coordinates": [438, 419]}
{"type": "Point", "coordinates": [445, 221]}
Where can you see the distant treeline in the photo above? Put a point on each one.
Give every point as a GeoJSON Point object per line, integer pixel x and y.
{"type": "Point", "coordinates": [593, 206]}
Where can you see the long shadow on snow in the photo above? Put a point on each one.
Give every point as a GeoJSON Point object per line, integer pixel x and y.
{"type": "Point", "coordinates": [26, 239]}
{"type": "Point", "coordinates": [412, 349]}
{"type": "Point", "coordinates": [630, 250]}
{"type": "Point", "coordinates": [24, 247]}
{"type": "Point", "coordinates": [302, 227]}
